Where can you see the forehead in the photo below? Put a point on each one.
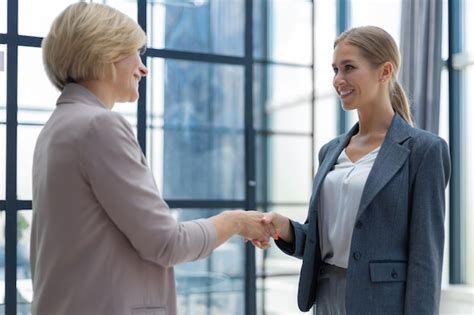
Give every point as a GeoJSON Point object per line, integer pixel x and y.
{"type": "Point", "coordinates": [344, 52]}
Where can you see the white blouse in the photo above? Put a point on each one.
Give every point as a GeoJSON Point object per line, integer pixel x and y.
{"type": "Point", "coordinates": [340, 199]}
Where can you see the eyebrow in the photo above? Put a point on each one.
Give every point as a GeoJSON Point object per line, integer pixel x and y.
{"type": "Point", "coordinates": [344, 62]}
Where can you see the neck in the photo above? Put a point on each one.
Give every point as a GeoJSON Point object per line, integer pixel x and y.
{"type": "Point", "coordinates": [375, 120]}
{"type": "Point", "coordinates": [101, 90]}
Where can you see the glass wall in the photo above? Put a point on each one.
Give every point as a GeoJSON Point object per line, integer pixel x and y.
{"type": "Point", "coordinates": [467, 146]}
{"type": "Point", "coordinates": [207, 127]}
{"type": "Point", "coordinates": [388, 17]}
{"type": "Point", "coordinates": [284, 123]}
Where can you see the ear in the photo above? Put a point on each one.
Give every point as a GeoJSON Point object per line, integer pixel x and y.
{"type": "Point", "coordinates": [386, 71]}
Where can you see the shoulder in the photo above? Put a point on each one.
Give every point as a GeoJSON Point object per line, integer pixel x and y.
{"type": "Point", "coordinates": [106, 121]}
{"type": "Point", "coordinates": [423, 141]}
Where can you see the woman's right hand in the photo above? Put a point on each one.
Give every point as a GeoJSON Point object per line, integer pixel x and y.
{"type": "Point", "coordinates": [281, 225]}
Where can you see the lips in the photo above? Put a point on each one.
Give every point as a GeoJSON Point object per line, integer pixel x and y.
{"type": "Point", "coordinates": [345, 93]}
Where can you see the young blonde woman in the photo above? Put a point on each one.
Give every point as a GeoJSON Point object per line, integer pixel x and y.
{"type": "Point", "coordinates": [373, 239]}
{"type": "Point", "coordinates": [103, 241]}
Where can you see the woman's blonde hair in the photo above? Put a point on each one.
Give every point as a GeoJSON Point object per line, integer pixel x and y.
{"type": "Point", "coordinates": [378, 47]}
{"type": "Point", "coordinates": [85, 41]}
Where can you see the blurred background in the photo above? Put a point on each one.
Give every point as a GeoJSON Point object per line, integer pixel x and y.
{"type": "Point", "coordinates": [238, 101]}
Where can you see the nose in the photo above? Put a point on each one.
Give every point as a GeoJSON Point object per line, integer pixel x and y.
{"type": "Point", "coordinates": [143, 70]}
{"type": "Point", "coordinates": [338, 80]}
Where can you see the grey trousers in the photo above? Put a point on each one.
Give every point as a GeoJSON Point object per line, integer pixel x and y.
{"type": "Point", "coordinates": [331, 291]}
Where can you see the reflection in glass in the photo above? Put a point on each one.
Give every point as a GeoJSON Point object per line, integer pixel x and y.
{"type": "Point", "coordinates": [282, 98]}
{"type": "Point", "coordinates": [214, 285]}
{"type": "Point", "coordinates": [275, 26]}
{"type": "Point", "coordinates": [196, 114]}
{"type": "Point", "coordinates": [27, 136]}
{"type": "Point", "coordinates": [23, 283]}
{"type": "Point", "coordinates": [212, 26]}
{"type": "Point", "coordinates": [34, 19]}
{"type": "Point", "coordinates": [284, 169]}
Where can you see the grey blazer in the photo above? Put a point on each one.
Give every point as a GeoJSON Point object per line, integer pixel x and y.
{"type": "Point", "coordinates": [397, 244]}
{"type": "Point", "coordinates": [103, 241]}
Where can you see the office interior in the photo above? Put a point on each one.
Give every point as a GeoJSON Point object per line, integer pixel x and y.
{"type": "Point", "coordinates": [237, 103]}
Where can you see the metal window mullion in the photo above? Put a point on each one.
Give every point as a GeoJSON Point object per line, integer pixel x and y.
{"type": "Point", "coordinates": [455, 137]}
{"type": "Point", "coordinates": [249, 156]}
{"type": "Point", "coordinates": [11, 159]}
{"type": "Point", "coordinates": [343, 21]}
{"type": "Point", "coordinates": [141, 103]}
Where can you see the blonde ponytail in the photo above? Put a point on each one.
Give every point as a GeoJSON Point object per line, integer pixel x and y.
{"type": "Point", "coordinates": [399, 102]}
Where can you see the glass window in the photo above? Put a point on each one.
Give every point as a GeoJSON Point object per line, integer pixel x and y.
{"type": "Point", "coordinates": [36, 94]}
{"type": "Point", "coordinates": [278, 295]}
{"type": "Point", "coordinates": [27, 135]}
{"type": "Point", "coordinates": [128, 7]}
{"type": "Point", "coordinates": [34, 20]}
{"type": "Point", "coordinates": [275, 25]}
{"type": "Point", "coordinates": [278, 273]}
{"type": "Point", "coordinates": [467, 150]}
{"type": "Point", "coordinates": [468, 26]}
{"type": "Point", "coordinates": [24, 285]}
{"type": "Point", "coordinates": [467, 178]}
{"type": "Point", "coordinates": [196, 115]}
{"type": "Point", "coordinates": [129, 111]}
{"type": "Point", "coordinates": [326, 107]}
{"type": "Point", "coordinates": [3, 119]}
{"type": "Point", "coordinates": [387, 16]}
{"type": "Point", "coordinates": [284, 168]}
{"type": "Point", "coordinates": [282, 98]}
{"type": "Point", "coordinates": [3, 16]}
{"type": "Point", "coordinates": [2, 262]}
{"type": "Point", "coordinates": [206, 26]}
{"type": "Point", "coordinates": [326, 111]}
{"type": "Point", "coordinates": [214, 285]}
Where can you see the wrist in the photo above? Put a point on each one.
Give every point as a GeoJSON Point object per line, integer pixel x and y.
{"type": "Point", "coordinates": [235, 220]}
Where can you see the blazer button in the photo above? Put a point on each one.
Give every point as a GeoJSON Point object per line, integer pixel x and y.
{"type": "Point", "coordinates": [394, 274]}
{"type": "Point", "coordinates": [357, 255]}
{"type": "Point", "coordinates": [359, 225]}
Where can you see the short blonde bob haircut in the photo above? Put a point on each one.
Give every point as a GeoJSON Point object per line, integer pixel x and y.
{"type": "Point", "coordinates": [85, 41]}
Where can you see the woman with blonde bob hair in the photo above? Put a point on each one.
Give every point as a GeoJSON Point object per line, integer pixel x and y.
{"type": "Point", "coordinates": [103, 241]}
{"type": "Point", "coordinates": [373, 239]}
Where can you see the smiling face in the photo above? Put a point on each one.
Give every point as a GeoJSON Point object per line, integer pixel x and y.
{"type": "Point", "coordinates": [357, 82]}
{"type": "Point", "coordinates": [128, 72]}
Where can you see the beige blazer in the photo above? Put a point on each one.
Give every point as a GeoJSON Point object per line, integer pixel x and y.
{"type": "Point", "coordinates": [103, 241]}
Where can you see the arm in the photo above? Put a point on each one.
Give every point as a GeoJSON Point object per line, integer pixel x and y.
{"type": "Point", "coordinates": [124, 186]}
{"type": "Point", "coordinates": [426, 238]}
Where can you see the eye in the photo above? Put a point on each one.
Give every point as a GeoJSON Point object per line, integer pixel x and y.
{"type": "Point", "coordinates": [334, 69]}
{"type": "Point", "coordinates": [142, 50]}
{"type": "Point", "coordinates": [348, 67]}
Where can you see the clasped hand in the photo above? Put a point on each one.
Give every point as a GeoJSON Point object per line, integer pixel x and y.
{"type": "Point", "coordinates": [260, 227]}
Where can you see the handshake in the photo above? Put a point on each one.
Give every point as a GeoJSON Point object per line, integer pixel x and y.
{"type": "Point", "coordinates": [259, 227]}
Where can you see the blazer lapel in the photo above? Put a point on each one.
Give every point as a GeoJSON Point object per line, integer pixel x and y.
{"type": "Point", "coordinates": [391, 157]}
{"type": "Point", "coordinates": [329, 161]}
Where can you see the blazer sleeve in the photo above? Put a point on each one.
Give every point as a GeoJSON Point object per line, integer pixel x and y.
{"type": "Point", "coordinates": [120, 179]}
{"type": "Point", "coordinates": [299, 230]}
{"type": "Point", "coordinates": [426, 231]}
